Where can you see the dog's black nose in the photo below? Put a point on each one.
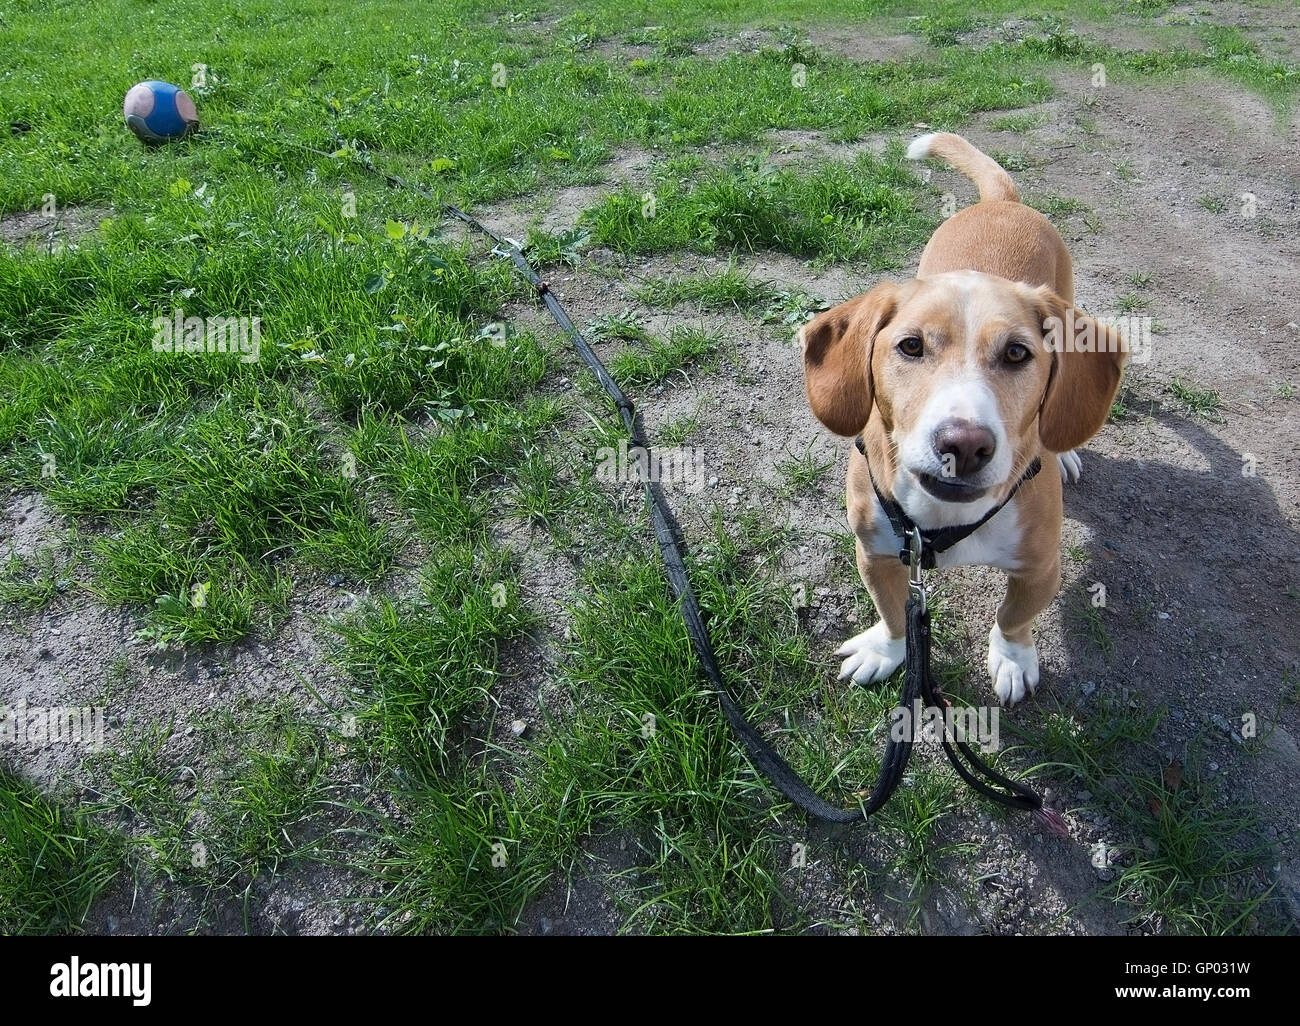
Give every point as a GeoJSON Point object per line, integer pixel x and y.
{"type": "Point", "coordinates": [963, 447]}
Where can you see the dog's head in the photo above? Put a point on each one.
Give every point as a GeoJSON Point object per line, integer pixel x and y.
{"type": "Point", "coordinates": [973, 375]}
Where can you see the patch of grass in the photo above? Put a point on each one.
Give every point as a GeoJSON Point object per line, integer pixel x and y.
{"type": "Point", "coordinates": [1291, 687]}
{"type": "Point", "coordinates": [800, 474]}
{"type": "Point", "coordinates": [538, 493]}
{"type": "Point", "coordinates": [1194, 399]}
{"type": "Point", "coordinates": [441, 477]}
{"type": "Point", "coordinates": [792, 308]}
{"type": "Point", "coordinates": [726, 289]}
{"type": "Point", "coordinates": [463, 858]}
{"type": "Point", "coordinates": [660, 357]}
{"type": "Point", "coordinates": [428, 664]}
{"type": "Point", "coordinates": [1131, 302]}
{"type": "Point", "coordinates": [868, 210]}
{"type": "Point", "coordinates": [1121, 409]}
{"type": "Point", "coordinates": [30, 585]}
{"type": "Point", "coordinates": [1200, 867]}
{"type": "Point", "coordinates": [259, 816]}
{"type": "Point", "coordinates": [1092, 621]}
{"type": "Point", "coordinates": [545, 249]}
{"type": "Point", "coordinates": [1213, 203]}
{"type": "Point", "coordinates": [945, 29]}
{"type": "Point", "coordinates": [1194, 860]}
{"type": "Point", "coordinates": [1058, 208]}
{"type": "Point", "coordinates": [676, 432]}
{"type": "Point", "coordinates": [54, 862]}
{"type": "Point", "coordinates": [1013, 161]}
{"type": "Point", "coordinates": [1016, 122]}
{"type": "Point", "coordinates": [626, 326]}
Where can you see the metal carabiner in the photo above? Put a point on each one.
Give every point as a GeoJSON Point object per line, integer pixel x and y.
{"type": "Point", "coordinates": [915, 585]}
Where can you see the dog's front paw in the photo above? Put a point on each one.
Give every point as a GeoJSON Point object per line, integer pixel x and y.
{"type": "Point", "coordinates": [1071, 464]}
{"type": "Point", "coordinates": [872, 655]}
{"type": "Point", "coordinates": [1013, 667]}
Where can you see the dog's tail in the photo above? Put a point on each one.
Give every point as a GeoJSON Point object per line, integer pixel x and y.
{"type": "Point", "coordinates": [988, 175]}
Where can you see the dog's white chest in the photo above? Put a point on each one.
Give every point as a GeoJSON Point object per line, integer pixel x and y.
{"type": "Point", "coordinates": [997, 543]}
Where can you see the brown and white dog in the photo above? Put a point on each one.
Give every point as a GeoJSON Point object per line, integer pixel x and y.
{"type": "Point", "coordinates": [956, 381]}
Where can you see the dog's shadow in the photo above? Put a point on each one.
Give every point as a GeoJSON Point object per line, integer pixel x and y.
{"type": "Point", "coordinates": [1186, 604]}
{"type": "Point", "coordinates": [1199, 570]}
{"type": "Point", "coordinates": [1197, 620]}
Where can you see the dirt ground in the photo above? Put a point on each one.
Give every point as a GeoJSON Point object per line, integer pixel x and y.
{"type": "Point", "coordinates": [1200, 561]}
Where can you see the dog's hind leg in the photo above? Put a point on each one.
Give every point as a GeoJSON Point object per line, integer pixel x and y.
{"type": "Point", "coordinates": [1071, 466]}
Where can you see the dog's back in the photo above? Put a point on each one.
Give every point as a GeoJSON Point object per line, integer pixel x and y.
{"type": "Point", "coordinates": [998, 235]}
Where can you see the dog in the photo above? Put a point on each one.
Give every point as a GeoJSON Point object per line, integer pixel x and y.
{"type": "Point", "coordinates": [954, 384]}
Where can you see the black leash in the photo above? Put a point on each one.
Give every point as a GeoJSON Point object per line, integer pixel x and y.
{"type": "Point", "coordinates": [917, 680]}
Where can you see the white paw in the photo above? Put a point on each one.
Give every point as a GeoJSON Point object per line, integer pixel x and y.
{"type": "Point", "coordinates": [1013, 667]}
{"type": "Point", "coordinates": [1071, 464]}
{"type": "Point", "coordinates": [872, 655]}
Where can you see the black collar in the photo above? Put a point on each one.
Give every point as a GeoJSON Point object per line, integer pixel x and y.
{"type": "Point", "coordinates": [938, 539]}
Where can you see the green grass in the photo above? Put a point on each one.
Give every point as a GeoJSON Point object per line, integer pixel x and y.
{"type": "Point", "coordinates": [801, 473]}
{"type": "Point", "coordinates": [1195, 399]}
{"type": "Point", "coordinates": [428, 665]}
{"type": "Point", "coordinates": [638, 366]}
{"type": "Point", "coordinates": [1016, 122]}
{"type": "Point", "coordinates": [723, 290]}
{"type": "Point", "coordinates": [1197, 863]}
{"type": "Point", "coordinates": [54, 862]}
{"type": "Point", "coordinates": [868, 210]}
{"type": "Point", "coordinates": [32, 584]}
{"type": "Point", "coordinates": [402, 433]}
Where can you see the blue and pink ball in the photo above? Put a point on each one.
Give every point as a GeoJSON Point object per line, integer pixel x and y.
{"type": "Point", "coordinates": [159, 112]}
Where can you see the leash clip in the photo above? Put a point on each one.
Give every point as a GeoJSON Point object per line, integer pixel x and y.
{"type": "Point", "coordinates": [915, 585]}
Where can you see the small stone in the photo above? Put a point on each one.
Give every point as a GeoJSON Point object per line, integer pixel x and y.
{"type": "Point", "coordinates": [1089, 688]}
{"type": "Point", "coordinates": [517, 727]}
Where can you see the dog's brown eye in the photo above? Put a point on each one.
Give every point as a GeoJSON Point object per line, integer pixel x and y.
{"type": "Point", "coordinates": [1016, 352]}
{"type": "Point", "coordinates": [911, 346]}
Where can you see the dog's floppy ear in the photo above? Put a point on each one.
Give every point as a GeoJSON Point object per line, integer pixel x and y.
{"type": "Point", "coordinates": [1087, 359]}
{"type": "Point", "coordinates": [837, 358]}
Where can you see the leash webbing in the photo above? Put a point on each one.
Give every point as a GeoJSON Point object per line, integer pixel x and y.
{"type": "Point", "coordinates": [917, 683]}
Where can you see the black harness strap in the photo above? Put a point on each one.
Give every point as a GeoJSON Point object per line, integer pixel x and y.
{"type": "Point", "coordinates": [939, 539]}
{"type": "Point", "coordinates": [917, 680]}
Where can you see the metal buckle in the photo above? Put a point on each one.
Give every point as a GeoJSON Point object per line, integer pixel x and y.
{"type": "Point", "coordinates": [914, 583]}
